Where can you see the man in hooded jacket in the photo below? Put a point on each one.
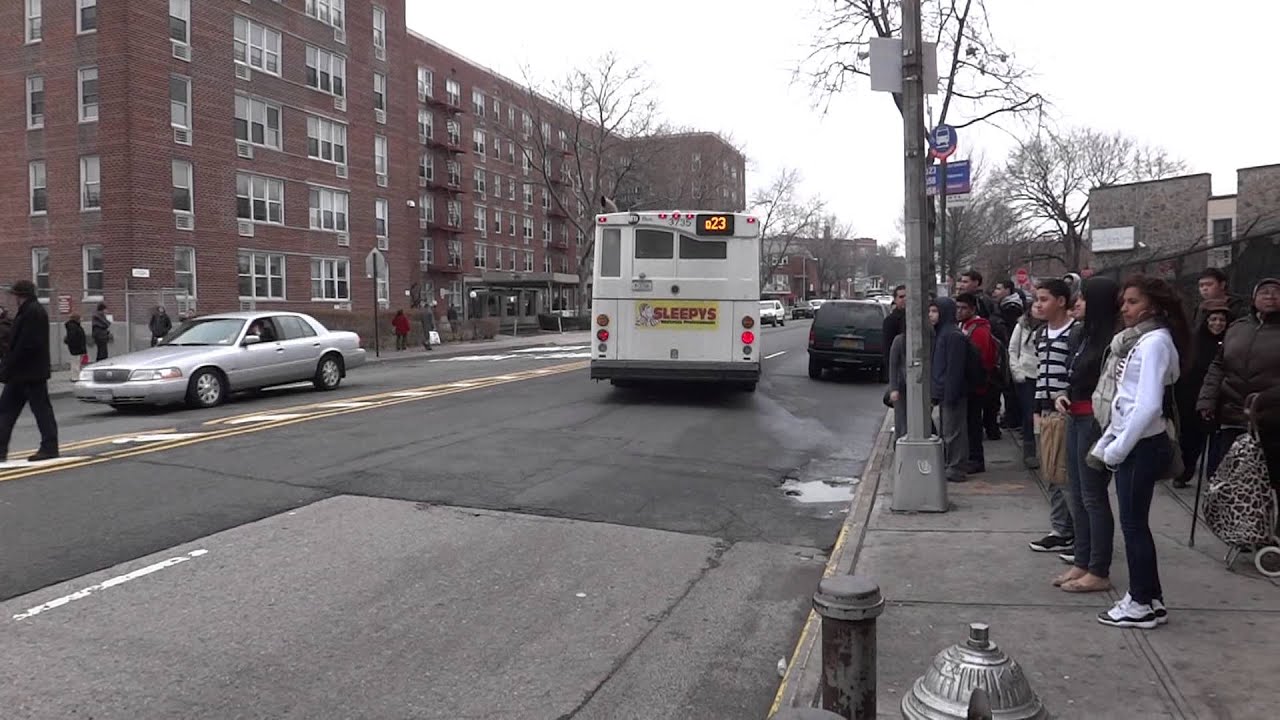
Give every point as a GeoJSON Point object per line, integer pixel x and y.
{"type": "Point", "coordinates": [950, 351]}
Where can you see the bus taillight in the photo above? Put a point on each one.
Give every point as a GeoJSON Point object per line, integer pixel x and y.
{"type": "Point", "coordinates": [602, 335]}
{"type": "Point", "coordinates": [602, 320]}
{"type": "Point", "coordinates": [748, 322]}
{"type": "Point", "coordinates": [748, 337]}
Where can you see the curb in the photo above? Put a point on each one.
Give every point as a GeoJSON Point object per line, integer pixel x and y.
{"type": "Point", "coordinates": [393, 357]}
{"type": "Point", "coordinates": [801, 682]}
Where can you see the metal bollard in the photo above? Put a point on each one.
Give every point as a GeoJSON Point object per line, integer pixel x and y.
{"type": "Point", "coordinates": [805, 714]}
{"type": "Point", "coordinates": [849, 606]}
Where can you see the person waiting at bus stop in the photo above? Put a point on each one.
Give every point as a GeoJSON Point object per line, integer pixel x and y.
{"type": "Point", "coordinates": [950, 394]}
{"type": "Point", "coordinates": [25, 371]}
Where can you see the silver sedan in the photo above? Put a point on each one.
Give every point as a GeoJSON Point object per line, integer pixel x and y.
{"type": "Point", "coordinates": [206, 359]}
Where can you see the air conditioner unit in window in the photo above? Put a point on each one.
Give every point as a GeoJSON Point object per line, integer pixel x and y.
{"type": "Point", "coordinates": [244, 150]}
{"type": "Point", "coordinates": [245, 228]}
{"type": "Point", "coordinates": [422, 223]}
{"type": "Point", "coordinates": [379, 52]}
{"type": "Point", "coordinates": [380, 116]}
{"type": "Point", "coordinates": [344, 240]}
{"type": "Point", "coordinates": [422, 182]}
{"type": "Point", "coordinates": [340, 103]}
{"type": "Point", "coordinates": [340, 35]}
{"type": "Point", "coordinates": [182, 136]}
{"type": "Point", "coordinates": [244, 72]}
{"type": "Point", "coordinates": [382, 181]}
{"type": "Point", "coordinates": [183, 221]}
{"type": "Point", "coordinates": [182, 51]}
{"type": "Point", "coordinates": [383, 244]}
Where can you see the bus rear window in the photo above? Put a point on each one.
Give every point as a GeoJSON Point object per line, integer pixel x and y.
{"type": "Point", "coordinates": [695, 249]}
{"type": "Point", "coordinates": [654, 244]}
{"type": "Point", "coordinates": [849, 315]}
{"type": "Point", "coordinates": [611, 253]}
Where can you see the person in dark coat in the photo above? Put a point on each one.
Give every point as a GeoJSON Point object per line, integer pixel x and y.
{"type": "Point", "coordinates": [6, 327]}
{"type": "Point", "coordinates": [1215, 316]}
{"type": "Point", "coordinates": [428, 323]}
{"type": "Point", "coordinates": [101, 331]}
{"type": "Point", "coordinates": [895, 323]}
{"type": "Point", "coordinates": [77, 346]}
{"type": "Point", "coordinates": [160, 324]}
{"type": "Point", "coordinates": [950, 392]}
{"type": "Point", "coordinates": [25, 371]}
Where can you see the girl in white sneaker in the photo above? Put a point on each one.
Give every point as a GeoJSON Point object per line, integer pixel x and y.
{"type": "Point", "coordinates": [1145, 361]}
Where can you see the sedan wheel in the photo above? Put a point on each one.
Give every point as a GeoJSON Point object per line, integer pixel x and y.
{"type": "Point", "coordinates": [207, 389]}
{"type": "Point", "coordinates": [328, 374]}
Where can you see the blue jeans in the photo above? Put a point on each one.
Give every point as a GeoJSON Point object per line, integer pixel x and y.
{"type": "Point", "coordinates": [1027, 398]}
{"type": "Point", "coordinates": [1095, 527]}
{"type": "Point", "coordinates": [1135, 485]}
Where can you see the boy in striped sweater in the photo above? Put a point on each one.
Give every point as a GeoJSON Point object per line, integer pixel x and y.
{"type": "Point", "coordinates": [1053, 305]}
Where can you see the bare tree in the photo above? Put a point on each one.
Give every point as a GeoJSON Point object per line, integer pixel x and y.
{"type": "Point", "coordinates": [588, 135]}
{"type": "Point", "coordinates": [834, 252]}
{"type": "Point", "coordinates": [786, 219]}
{"type": "Point", "coordinates": [979, 79]}
{"type": "Point", "coordinates": [1048, 178]}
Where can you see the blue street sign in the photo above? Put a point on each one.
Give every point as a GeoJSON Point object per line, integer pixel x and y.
{"type": "Point", "coordinates": [942, 141]}
{"type": "Point", "coordinates": [958, 179]}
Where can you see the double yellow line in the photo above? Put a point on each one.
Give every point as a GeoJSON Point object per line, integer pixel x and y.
{"type": "Point", "coordinates": [378, 401]}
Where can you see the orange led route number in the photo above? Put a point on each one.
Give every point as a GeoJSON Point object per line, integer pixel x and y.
{"type": "Point", "coordinates": [714, 224]}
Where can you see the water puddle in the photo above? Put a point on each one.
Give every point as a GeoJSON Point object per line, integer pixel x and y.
{"type": "Point", "coordinates": [830, 490]}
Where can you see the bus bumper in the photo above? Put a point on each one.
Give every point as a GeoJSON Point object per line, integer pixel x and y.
{"type": "Point", "coordinates": [736, 372]}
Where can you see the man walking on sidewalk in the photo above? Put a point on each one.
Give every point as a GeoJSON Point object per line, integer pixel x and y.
{"type": "Point", "coordinates": [25, 372]}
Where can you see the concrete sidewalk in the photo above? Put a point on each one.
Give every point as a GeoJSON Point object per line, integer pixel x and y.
{"type": "Point", "coordinates": [60, 385]}
{"type": "Point", "coordinates": [1218, 656]}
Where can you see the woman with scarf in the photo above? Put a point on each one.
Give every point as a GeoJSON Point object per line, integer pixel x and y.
{"type": "Point", "coordinates": [1145, 360]}
{"type": "Point", "coordinates": [1215, 316]}
{"type": "Point", "coordinates": [1098, 305]}
{"type": "Point", "coordinates": [1024, 365]}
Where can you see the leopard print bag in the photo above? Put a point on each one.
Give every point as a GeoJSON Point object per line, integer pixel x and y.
{"type": "Point", "coordinates": [1240, 504]}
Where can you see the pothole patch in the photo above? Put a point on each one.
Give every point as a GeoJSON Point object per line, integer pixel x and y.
{"type": "Point", "coordinates": [827, 490]}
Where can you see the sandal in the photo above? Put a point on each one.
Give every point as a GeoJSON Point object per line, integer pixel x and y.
{"type": "Point", "coordinates": [1071, 575]}
{"type": "Point", "coordinates": [1087, 583]}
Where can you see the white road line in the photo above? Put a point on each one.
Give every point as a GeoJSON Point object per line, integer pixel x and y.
{"type": "Point", "coordinates": [263, 418]}
{"type": "Point", "coordinates": [347, 404]}
{"type": "Point", "coordinates": [158, 437]}
{"type": "Point", "coordinates": [770, 357]}
{"type": "Point", "coordinates": [552, 348]}
{"type": "Point", "coordinates": [15, 464]}
{"type": "Point", "coordinates": [118, 580]}
{"type": "Point", "coordinates": [410, 393]}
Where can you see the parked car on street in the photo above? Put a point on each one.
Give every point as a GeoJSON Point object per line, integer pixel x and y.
{"type": "Point", "coordinates": [772, 312]}
{"type": "Point", "coordinates": [206, 359]}
{"type": "Point", "coordinates": [848, 334]}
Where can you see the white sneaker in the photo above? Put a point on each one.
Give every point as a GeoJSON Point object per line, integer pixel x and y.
{"type": "Point", "coordinates": [1162, 613]}
{"type": "Point", "coordinates": [1128, 614]}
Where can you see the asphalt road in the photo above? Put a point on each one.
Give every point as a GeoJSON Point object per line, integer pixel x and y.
{"type": "Point", "coordinates": [477, 537]}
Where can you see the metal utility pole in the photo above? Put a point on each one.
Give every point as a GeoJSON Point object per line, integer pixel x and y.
{"type": "Point", "coordinates": [919, 483]}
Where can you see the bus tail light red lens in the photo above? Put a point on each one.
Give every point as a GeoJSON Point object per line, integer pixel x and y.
{"type": "Point", "coordinates": [602, 335]}
{"type": "Point", "coordinates": [748, 322]}
{"type": "Point", "coordinates": [748, 337]}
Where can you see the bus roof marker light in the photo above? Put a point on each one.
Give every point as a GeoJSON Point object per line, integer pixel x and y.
{"type": "Point", "coordinates": [602, 219]}
{"type": "Point", "coordinates": [662, 216]}
{"type": "Point", "coordinates": [751, 220]}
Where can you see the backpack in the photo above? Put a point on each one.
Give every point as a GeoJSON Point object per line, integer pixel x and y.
{"type": "Point", "coordinates": [975, 374]}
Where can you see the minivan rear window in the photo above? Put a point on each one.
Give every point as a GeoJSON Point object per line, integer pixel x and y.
{"type": "Point", "coordinates": [849, 315]}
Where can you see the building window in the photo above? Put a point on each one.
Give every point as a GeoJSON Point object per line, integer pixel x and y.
{"type": "Point", "coordinates": [426, 83]}
{"type": "Point", "coordinates": [497, 186]}
{"type": "Point", "coordinates": [257, 122]}
{"type": "Point", "coordinates": [481, 216]}
{"type": "Point", "coordinates": [511, 224]}
{"type": "Point", "coordinates": [455, 173]}
{"type": "Point", "coordinates": [477, 103]}
{"type": "Point", "coordinates": [546, 263]}
{"type": "Point", "coordinates": [184, 269]}
{"type": "Point", "coordinates": [528, 228]}
{"type": "Point", "coordinates": [511, 188]}
{"type": "Point", "coordinates": [497, 222]}
{"type": "Point", "coordinates": [453, 210]}
{"type": "Point", "coordinates": [526, 124]}
{"type": "Point", "coordinates": [427, 167]}
{"type": "Point", "coordinates": [478, 142]}
{"type": "Point", "coordinates": [381, 210]}
{"type": "Point", "coordinates": [379, 27]}
{"type": "Point", "coordinates": [90, 183]}
{"type": "Point", "coordinates": [546, 134]}
{"type": "Point", "coordinates": [329, 12]}
{"type": "Point", "coordinates": [478, 180]}
{"type": "Point", "coordinates": [528, 261]}
{"type": "Point", "coordinates": [379, 92]}
{"type": "Point", "coordinates": [330, 279]}
{"type": "Point", "coordinates": [426, 124]}
{"type": "Point", "coordinates": [35, 21]}
{"type": "Point", "coordinates": [482, 256]}
{"type": "Point", "coordinates": [180, 101]}
{"type": "Point", "coordinates": [380, 155]}
{"type": "Point", "coordinates": [1223, 229]}
{"type": "Point", "coordinates": [546, 199]}
{"type": "Point", "coordinates": [92, 257]}
{"type": "Point", "coordinates": [261, 275]}
{"type": "Point", "coordinates": [35, 102]}
{"type": "Point", "coordinates": [182, 194]}
{"type": "Point", "coordinates": [527, 194]}
{"type": "Point", "coordinates": [326, 140]}
{"type": "Point", "coordinates": [40, 272]}
{"type": "Point", "coordinates": [546, 231]}
{"type": "Point", "coordinates": [453, 92]}
{"type": "Point", "coordinates": [257, 46]}
{"type": "Point", "coordinates": [454, 130]}
{"type": "Point", "coordinates": [328, 209]}
{"type": "Point", "coordinates": [180, 21]}
{"type": "Point", "coordinates": [427, 250]}
{"type": "Point", "coordinates": [87, 17]}
{"type": "Point", "coordinates": [326, 71]}
{"type": "Point", "coordinates": [88, 83]}
{"type": "Point", "coordinates": [497, 110]}
{"type": "Point", "coordinates": [526, 162]}
{"type": "Point", "coordinates": [260, 199]}
{"type": "Point", "coordinates": [384, 288]}
{"type": "Point", "coordinates": [511, 151]}
{"type": "Point", "coordinates": [39, 186]}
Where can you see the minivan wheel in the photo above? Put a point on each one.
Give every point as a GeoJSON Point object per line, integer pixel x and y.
{"type": "Point", "coordinates": [815, 369]}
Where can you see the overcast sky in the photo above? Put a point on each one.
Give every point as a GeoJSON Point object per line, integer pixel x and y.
{"type": "Point", "coordinates": [1192, 80]}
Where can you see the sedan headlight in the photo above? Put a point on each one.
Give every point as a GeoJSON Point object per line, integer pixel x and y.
{"type": "Point", "coordinates": [161, 374]}
{"type": "Point", "coordinates": [86, 376]}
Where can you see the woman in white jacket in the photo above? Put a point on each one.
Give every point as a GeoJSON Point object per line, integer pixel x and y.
{"type": "Point", "coordinates": [1144, 361]}
{"type": "Point", "coordinates": [1024, 365]}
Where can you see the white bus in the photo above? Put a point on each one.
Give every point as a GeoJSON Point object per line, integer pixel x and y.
{"type": "Point", "coordinates": [677, 297]}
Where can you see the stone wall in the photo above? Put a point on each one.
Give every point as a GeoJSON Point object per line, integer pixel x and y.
{"type": "Point", "coordinates": [1258, 199]}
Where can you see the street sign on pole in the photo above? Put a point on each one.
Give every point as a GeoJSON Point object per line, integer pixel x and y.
{"type": "Point", "coordinates": [886, 66]}
{"type": "Point", "coordinates": [1022, 276]}
{"type": "Point", "coordinates": [375, 264]}
{"type": "Point", "coordinates": [959, 179]}
{"type": "Point", "coordinates": [942, 141]}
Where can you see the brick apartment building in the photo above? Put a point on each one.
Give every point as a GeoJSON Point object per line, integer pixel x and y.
{"type": "Point", "coordinates": [253, 152]}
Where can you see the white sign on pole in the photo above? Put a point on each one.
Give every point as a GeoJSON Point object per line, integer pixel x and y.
{"type": "Point", "coordinates": [375, 258]}
{"type": "Point", "coordinates": [1116, 239]}
{"type": "Point", "coordinates": [886, 66]}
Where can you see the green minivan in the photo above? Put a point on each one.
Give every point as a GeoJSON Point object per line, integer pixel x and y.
{"type": "Point", "coordinates": [848, 334]}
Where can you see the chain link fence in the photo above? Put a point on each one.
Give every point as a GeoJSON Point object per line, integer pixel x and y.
{"type": "Point", "coordinates": [1245, 261]}
{"type": "Point", "coordinates": [138, 309]}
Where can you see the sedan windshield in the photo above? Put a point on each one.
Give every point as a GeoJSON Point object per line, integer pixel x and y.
{"type": "Point", "coordinates": [207, 331]}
